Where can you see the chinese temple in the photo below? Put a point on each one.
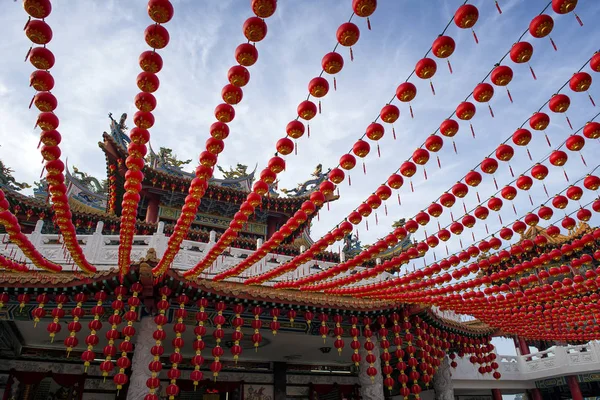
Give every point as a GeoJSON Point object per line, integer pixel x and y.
{"type": "Point", "coordinates": [172, 279]}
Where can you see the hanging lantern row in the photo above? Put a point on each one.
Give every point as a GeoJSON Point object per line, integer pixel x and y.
{"type": "Point", "coordinates": [332, 63]}
{"type": "Point", "coordinates": [40, 33]}
{"type": "Point", "coordinates": [516, 263]}
{"type": "Point", "coordinates": [489, 165]}
{"type": "Point", "coordinates": [159, 335]}
{"type": "Point", "coordinates": [12, 227]}
{"type": "Point", "coordinates": [246, 55]}
{"type": "Point", "coordinates": [157, 38]}
{"type": "Point", "coordinates": [560, 202]}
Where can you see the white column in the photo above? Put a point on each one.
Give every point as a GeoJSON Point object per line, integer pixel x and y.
{"type": "Point", "coordinates": [370, 390]}
{"type": "Point", "coordinates": [159, 240]}
{"type": "Point", "coordinates": [442, 382]}
{"type": "Point", "coordinates": [141, 359]}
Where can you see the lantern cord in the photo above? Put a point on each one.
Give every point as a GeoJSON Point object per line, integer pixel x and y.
{"type": "Point", "coordinates": [569, 122]}
{"type": "Point", "coordinates": [432, 88]}
{"type": "Point", "coordinates": [583, 159]}
{"type": "Point", "coordinates": [509, 95]}
{"type": "Point", "coordinates": [547, 140]}
{"type": "Point", "coordinates": [529, 154]}
{"type": "Point", "coordinates": [589, 95]}
{"type": "Point", "coordinates": [394, 131]}
{"type": "Point", "coordinates": [439, 162]}
{"type": "Point", "coordinates": [351, 54]}
{"type": "Point", "coordinates": [491, 111]}
{"type": "Point", "coordinates": [449, 66]}
{"type": "Point", "coordinates": [472, 130]}
{"type": "Point", "coordinates": [475, 36]}
{"type": "Point", "coordinates": [498, 8]}
{"type": "Point", "coordinates": [411, 110]}
{"type": "Point", "coordinates": [566, 176]}
{"type": "Point", "coordinates": [578, 19]}
{"type": "Point", "coordinates": [454, 145]}
{"type": "Point", "coordinates": [553, 44]}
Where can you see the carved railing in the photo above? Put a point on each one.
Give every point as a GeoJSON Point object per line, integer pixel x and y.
{"type": "Point", "coordinates": [101, 250]}
{"type": "Point", "coordinates": [555, 361]}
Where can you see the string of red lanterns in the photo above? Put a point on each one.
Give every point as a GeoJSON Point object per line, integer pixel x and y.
{"type": "Point", "coordinates": [156, 37]}
{"type": "Point", "coordinates": [421, 156]}
{"type": "Point", "coordinates": [40, 33]}
{"type": "Point", "coordinates": [489, 165]}
{"type": "Point", "coordinates": [361, 148]}
{"type": "Point", "coordinates": [504, 233]}
{"type": "Point", "coordinates": [332, 63]}
{"type": "Point", "coordinates": [255, 30]}
{"type": "Point", "coordinates": [13, 230]}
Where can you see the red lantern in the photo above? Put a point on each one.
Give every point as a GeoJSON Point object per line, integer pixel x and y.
{"type": "Point", "coordinates": [255, 29]}
{"type": "Point", "coordinates": [347, 34]}
{"type": "Point", "coordinates": [364, 8]}
{"type": "Point", "coordinates": [37, 8]}
{"type": "Point", "coordinates": [563, 6]}
{"type": "Point", "coordinates": [160, 11]}
{"type": "Point", "coordinates": [460, 190]}
{"type": "Point", "coordinates": [425, 68]}
{"type": "Point", "coordinates": [574, 192]}
{"type": "Point", "coordinates": [224, 113]}
{"type": "Point", "coordinates": [481, 212]}
{"type": "Point", "coordinates": [559, 103]}
{"type": "Point", "coordinates": [449, 127]}
{"type": "Point", "coordinates": [489, 165]}
{"type": "Point", "coordinates": [521, 52]}
{"type": "Point", "coordinates": [521, 137]}
{"type": "Point", "coordinates": [408, 169]}
{"type": "Point", "coordinates": [39, 32]}
{"type": "Point", "coordinates": [509, 192]}
{"type": "Point", "coordinates": [332, 63]}
{"type": "Point", "coordinates": [361, 148]}
{"type": "Point", "coordinates": [389, 114]}
{"type": "Point", "coordinates": [483, 92]}
{"type": "Point", "coordinates": [466, 16]}
{"type": "Point", "coordinates": [246, 54]}
{"type": "Point", "coordinates": [541, 26]}
{"type": "Point", "coordinates": [434, 143]}
{"type": "Point", "coordinates": [591, 130]}
{"type": "Point", "coordinates": [558, 158]}
{"type": "Point", "coordinates": [591, 182]}
{"type": "Point", "coordinates": [395, 181]}
{"type": "Point", "coordinates": [264, 8]}
{"type": "Point", "coordinates": [539, 171]}
{"type": "Point", "coordinates": [539, 121]}
{"type": "Point", "coordinates": [231, 94]}
{"type": "Point", "coordinates": [41, 58]}
{"type": "Point", "coordinates": [443, 46]}
{"type": "Point", "coordinates": [501, 75]}
{"type": "Point", "coordinates": [318, 87]}
{"type": "Point", "coordinates": [406, 92]}
{"type": "Point", "coordinates": [45, 101]}
{"type": "Point", "coordinates": [447, 200]}
{"type": "Point", "coordinates": [307, 110]}
{"type": "Point", "coordinates": [594, 62]}
{"type": "Point", "coordinates": [504, 152]}
{"type": "Point", "coordinates": [420, 156]}
{"type": "Point", "coordinates": [285, 146]}
{"type": "Point", "coordinates": [465, 110]}
{"type": "Point", "coordinates": [238, 75]}
{"type": "Point", "coordinates": [473, 178]}
{"type": "Point", "coordinates": [156, 36]}
{"type": "Point", "coordinates": [41, 81]}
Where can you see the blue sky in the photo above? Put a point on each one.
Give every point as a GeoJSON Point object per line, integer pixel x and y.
{"type": "Point", "coordinates": [97, 43]}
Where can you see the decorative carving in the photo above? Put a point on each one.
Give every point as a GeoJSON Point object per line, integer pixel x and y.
{"type": "Point", "coordinates": [166, 157]}
{"type": "Point", "coordinates": [7, 180]}
{"type": "Point", "coordinates": [310, 185]}
{"type": "Point", "coordinates": [442, 382]}
{"type": "Point", "coordinates": [352, 245]}
{"type": "Point", "coordinates": [117, 130]}
{"type": "Point", "coordinates": [238, 172]}
{"type": "Point", "coordinates": [91, 183]}
{"type": "Point", "coordinates": [141, 358]}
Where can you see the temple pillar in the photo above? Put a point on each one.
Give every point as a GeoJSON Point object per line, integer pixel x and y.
{"type": "Point", "coordinates": [370, 389]}
{"type": "Point", "coordinates": [271, 226]}
{"type": "Point", "coordinates": [152, 209]}
{"type": "Point", "coordinates": [522, 345]}
{"type": "Point", "coordinates": [496, 394]}
{"type": "Point", "coordinates": [141, 359]}
{"type": "Point", "coordinates": [574, 387]}
{"type": "Point", "coordinates": [442, 382]}
{"type": "Point", "coordinates": [279, 381]}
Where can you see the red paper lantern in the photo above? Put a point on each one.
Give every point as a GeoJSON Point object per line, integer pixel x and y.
{"type": "Point", "coordinates": [509, 192]}
{"type": "Point", "coordinates": [231, 94]}
{"type": "Point", "coordinates": [591, 182]}
{"type": "Point", "coordinates": [156, 36]}
{"type": "Point", "coordinates": [591, 130]}
{"type": "Point", "coordinates": [489, 165]}
{"type": "Point", "coordinates": [521, 137]}
{"type": "Point", "coordinates": [425, 68]}
{"type": "Point", "coordinates": [539, 171]}
{"type": "Point", "coordinates": [160, 11]}
{"type": "Point", "coordinates": [224, 113]}
{"type": "Point", "coordinates": [541, 26]}
{"type": "Point", "coordinates": [38, 8]}
{"type": "Point", "coordinates": [447, 200]}
{"type": "Point", "coordinates": [521, 52]}
{"type": "Point", "coordinates": [466, 16]}
{"type": "Point", "coordinates": [395, 181]}
{"type": "Point", "coordinates": [347, 34]}
{"type": "Point", "coordinates": [406, 92]}
{"type": "Point", "coordinates": [389, 114]}
{"type": "Point", "coordinates": [473, 178]}
{"type": "Point", "coordinates": [504, 152]}
{"type": "Point", "coordinates": [574, 192]}
{"type": "Point", "coordinates": [595, 62]}
{"type": "Point", "coordinates": [465, 110]}
{"type": "Point", "coordinates": [539, 121]}
{"type": "Point", "coordinates": [420, 156]}
{"type": "Point", "coordinates": [41, 81]}
{"type": "Point", "coordinates": [559, 103]}
{"type": "Point", "coordinates": [361, 148]}
{"type": "Point", "coordinates": [264, 8]}
{"type": "Point", "coordinates": [524, 182]}
{"type": "Point", "coordinates": [563, 6]}
{"type": "Point", "coordinates": [408, 169]}
{"type": "Point", "coordinates": [318, 87]}
{"type": "Point", "coordinates": [238, 75]}
{"type": "Point", "coordinates": [255, 29]}
{"type": "Point", "coordinates": [364, 8]}
{"type": "Point", "coordinates": [558, 158]}
{"type": "Point", "coordinates": [332, 63]}
{"type": "Point", "coordinates": [41, 58]}
{"type": "Point", "coordinates": [246, 54]}
{"type": "Point", "coordinates": [483, 92]}
{"type": "Point", "coordinates": [39, 32]}
{"type": "Point", "coordinates": [501, 75]}
{"type": "Point", "coordinates": [449, 127]}
{"type": "Point", "coordinates": [434, 143]}
{"type": "Point", "coordinates": [443, 46]}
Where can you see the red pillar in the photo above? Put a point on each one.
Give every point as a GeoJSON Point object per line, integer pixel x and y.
{"type": "Point", "coordinates": [152, 210]}
{"type": "Point", "coordinates": [496, 394]}
{"type": "Point", "coordinates": [574, 387]}
{"type": "Point", "coordinates": [536, 394]}
{"type": "Point", "coordinates": [271, 226]}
